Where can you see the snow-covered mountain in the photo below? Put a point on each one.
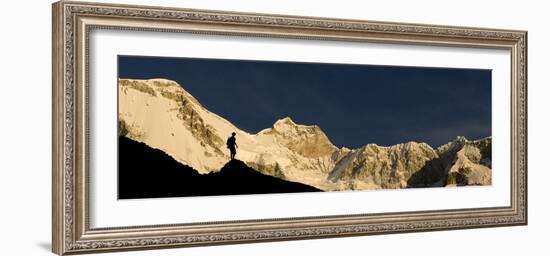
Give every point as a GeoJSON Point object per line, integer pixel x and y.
{"type": "Point", "coordinates": [161, 114]}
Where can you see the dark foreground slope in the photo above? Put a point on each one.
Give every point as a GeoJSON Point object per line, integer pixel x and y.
{"type": "Point", "coordinates": [144, 172]}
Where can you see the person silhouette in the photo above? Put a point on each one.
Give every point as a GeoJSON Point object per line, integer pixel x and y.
{"type": "Point", "coordinates": [232, 145]}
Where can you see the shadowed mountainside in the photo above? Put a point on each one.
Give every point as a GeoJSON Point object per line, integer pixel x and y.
{"type": "Point", "coordinates": [144, 172]}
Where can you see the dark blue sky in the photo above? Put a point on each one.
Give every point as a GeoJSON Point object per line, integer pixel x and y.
{"type": "Point", "coordinates": [353, 104]}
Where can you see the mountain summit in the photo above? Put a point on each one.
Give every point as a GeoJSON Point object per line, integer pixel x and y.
{"type": "Point", "coordinates": [308, 141]}
{"type": "Point", "coordinates": [161, 114]}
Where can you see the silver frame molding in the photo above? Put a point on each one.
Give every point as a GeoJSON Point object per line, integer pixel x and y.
{"type": "Point", "coordinates": [72, 22]}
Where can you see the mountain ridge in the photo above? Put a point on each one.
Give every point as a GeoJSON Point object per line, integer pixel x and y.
{"type": "Point", "coordinates": [145, 172]}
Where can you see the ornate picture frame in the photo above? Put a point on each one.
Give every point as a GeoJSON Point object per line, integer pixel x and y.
{"type": "Point", "coordinates": [74, 21]}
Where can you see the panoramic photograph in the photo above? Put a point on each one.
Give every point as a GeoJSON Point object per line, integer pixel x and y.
{"type": "Point", "coordinates": [215, 127]}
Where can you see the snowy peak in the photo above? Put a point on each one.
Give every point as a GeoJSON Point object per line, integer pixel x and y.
{"type": "Point", "coordinates": [161, 114]}
{"type": "Point", "coordinates": [287, 125]}
{"type": "Point", "coordinates": [307, 140]}
{"type": "Point", "coordinates": [407, 146]}
{"type": "Point", "coordinates": [287, 121]}
{"type": "Point", "coordinates": [158, 87]}
{"type": "Point", "coordinates": [459, 142]}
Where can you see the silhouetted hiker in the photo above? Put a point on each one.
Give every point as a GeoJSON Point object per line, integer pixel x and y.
{"type": "Point", "coordinates": [232, 145]}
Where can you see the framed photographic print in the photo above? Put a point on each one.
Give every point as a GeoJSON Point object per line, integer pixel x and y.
{"type": "Point", "coordinates": [179, 127]}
